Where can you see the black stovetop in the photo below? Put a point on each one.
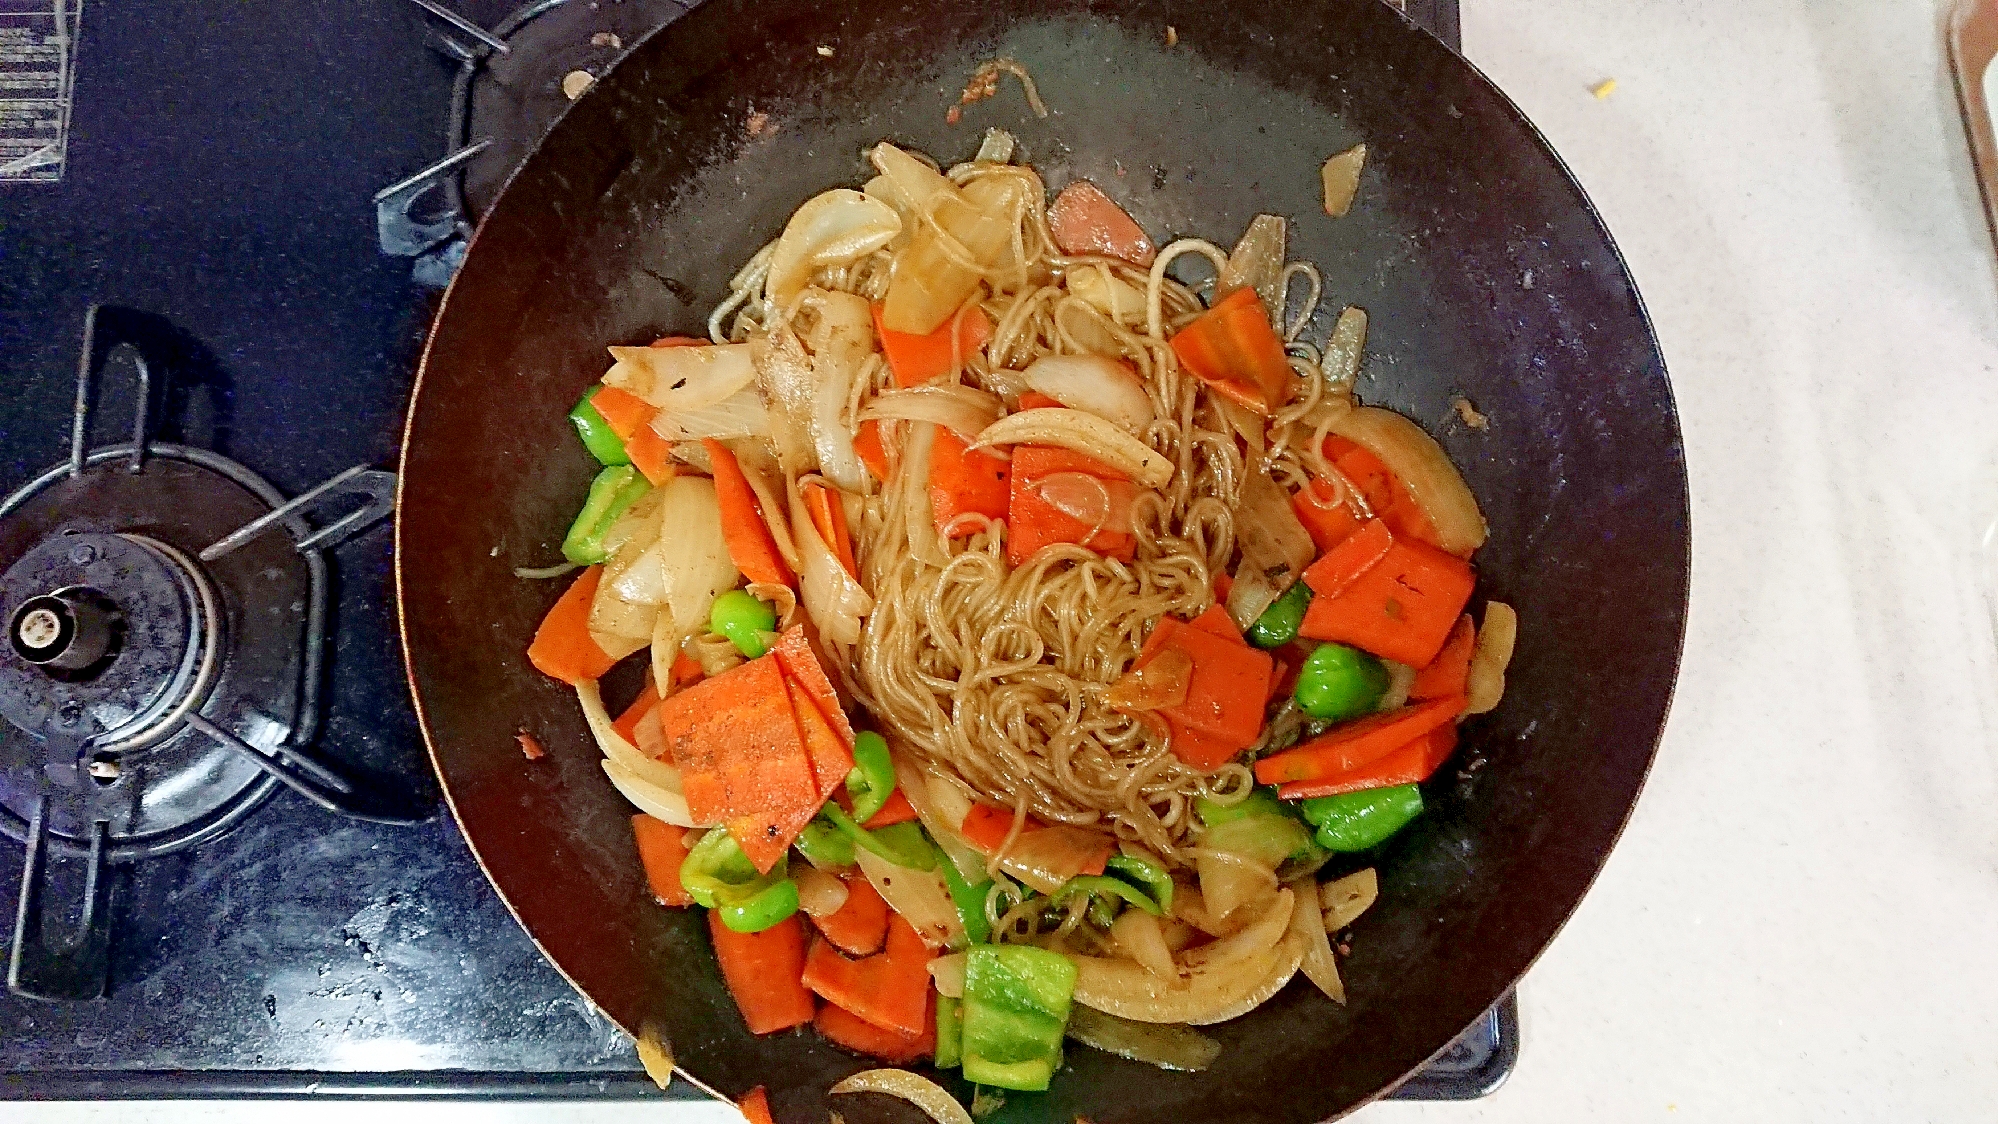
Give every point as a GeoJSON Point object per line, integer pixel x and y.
{"type": "Point", "coordinates": [216, 198]}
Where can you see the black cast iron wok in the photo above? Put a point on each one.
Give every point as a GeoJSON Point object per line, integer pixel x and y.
{"type": "Point", "coordinates": [1484, 269]}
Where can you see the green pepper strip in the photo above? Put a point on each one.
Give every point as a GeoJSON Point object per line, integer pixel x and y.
{"type": "Point", "coordinates": [598, 437]}
{"type": "Point", "coordinates": [719, 876]}
{"type": "Point", "coordinates": [969, 899]}
{"type": "Point", "coordinates": [1357, 821]}
{"type": "Point", "coordinates": [1279, 623]}
{"type": "Point", "coordinates": [903, 844]}
{"type": "Point", "coordinates": [950, 1033]}
{"type": "Point", "coordinates": [615, 489]}
{"type": "Point", "coordinates": [1102, 885]}
{"type": "Point", "coordinates": [824, 845]}
{"type": "Point", "coordinates": [1144, 874]}
{"type": "Point", "coordinates": [872, 780]}
{"type": "Point", "coordinates": [765, 908]}
{"type": "Point", "coordinates": [741, 617]}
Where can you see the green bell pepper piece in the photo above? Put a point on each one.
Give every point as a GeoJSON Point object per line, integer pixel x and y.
{"type": "Point", "coordinates": [903, 844]}
{"type": "Point", "coordinates": [969, 898]}
{"type": "Point", "coordinates": [1015, 1010]}
{"type": "Point", "coordinates": [1357, 821]}
{"type": "Point", "coordinates": [718, 875]}
{"type": "Point", "coordinates": [1279, 623]}
{"type": "Point", "coordinates": [1337, 683]}
{"type": "Point", "coordinates": [872, 780]}
{"type": "Point", "coordinates": [1027, 1077]}
{"type": "Point", "coordinates": [762, 909]}
{"type": "Point", "coordinates": [742, 618]}
{"type": "Point", "coordinates": [598, 438]}
{"type": "Point", "coordinates": [1104, 886]}
{"type": "Point", "coordinates": [1261, 801]}
{"type": "Point", "coordinates": [1144, 874]}
{"type": "Point", "coordinates": [1267, 839]}
{"type": "Point", "coordinates": [615, 489]}
{"type": "Point", "coordinates": [824, 844]}
{"type": "Point", "coordinates": [950, 1033]}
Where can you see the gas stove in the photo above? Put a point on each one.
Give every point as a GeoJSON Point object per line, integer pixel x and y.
{"type": "Point", "coordinates": [232, 872]}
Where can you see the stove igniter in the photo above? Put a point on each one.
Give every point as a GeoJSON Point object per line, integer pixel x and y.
{"type": "Point", "coordinates": [68, 630]}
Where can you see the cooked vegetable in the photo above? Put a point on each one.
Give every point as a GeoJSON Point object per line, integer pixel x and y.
{"type": "Point", "coordinates": [762, 909]}
{"type": "Point", "coordinates": [1224, 696]}
{"type": "Point", "coordinates": [755, 1106]}
{"type": "Point", "coordinates": [1340, 178]}
{"type": "Point", "coordinates": [679, 380]}
{"type": "Point", "coordinates": [655, 1054]}
{"type": "Point", "coordinates": [613, 491]}
{"type": "Point", "coordinates": [862, 1037]}
{"type": "Point", "coordinates": [1411, 764]}
{"type": "Point", "coordinates": [736, 740]}
{"type": "Point", "coordinates": [1273, 541]}
{"type": "Point", "coordinates": [1421, 465]}
{"type": "Point", "coordinates": [763, 971]}
{"type": "Point", "coordinates": [1085, 433]}
{"type": "Point", "coordinates": [1109, 889]}
{"type": "Point", "coordinates": [965, 483]}
{"type": "Point", "coordinates": [750, 544]}
{"type": "Point", "coordinates": [625, 413]}
{"type": "Point", "coordinates": [860, 924]}
{"type": "Point", "coordinates": [824, 845]}
{"type": "Point", "coordinates": [1168, 1047]}
{"type": "Point", "coordinates": [873, 778]}
{"type": "Point", "coordinates": [1047, 858]}
{"type": "Point", "coordinates": [563, 648]}
{"type": "Point", "coordinates": [961, 409]}
{"type": "Point", "coordinates": [931, 279]}
{"type": "Point", "coordinates": [596, 433]}
{"type": "Point", "coordinates": [1337, 683]}
{"type": "Point", "coordinates": [969, 899]}
{"type": "Point", "coordinates": [1233, 349]}
{"type": "Point", "coordinates": [919, 1091]}
{"type": "Point", "coordinates": [743, 619]}
{"type": "Point", "coordinates": [1215, 977]}
{"type": "Point", "coordinates": [1358, 821]}
{"type": "Point", "coordinates": [1396, 598]}
{"type": "Point", "coordinates": [1083, 220]}
{"type": "Point", "coordinates": [1347, 898]}
{"type": "Point", "coordinates": [950, 1033]}
{"type": "Point", "coordinates": [917, 359]}
{"type": "Point", "coordinates": [1107, 388]}
{"type": "Point", "coordinates": [841, 339]}
{"type": "Point", "coordinates": [890, 989]}
{"type": "Point", "coordinates": [1278, 624]}
{"type": "Point", "coordinates": [1348, 747]}
{"type": "Point", "coordinates": [917, 896]}
{"type": "Point", "coordinates": [662, 847]}
{"type": "Point", "coordinates": [833, 599]}
{"type": "Point", "coordinates": [1143, 873]}
{"type": "Point", "coordinates": [830, 229]}
{"type": "Point", "coordinates": [1450, 672]}
{"type": "Point", "coordinates": [1307, 931]}
{"type": "Point", "coordinates": [1059, 496]}
{"type": "Point", "coordinates": [1016, 1004]}
{"type": "Point", "coordinates": [1256, 263]}
{"type": "Point", "coordinates": [820, 894]}
{"type": "Point", "coordinates": [1485, 678]}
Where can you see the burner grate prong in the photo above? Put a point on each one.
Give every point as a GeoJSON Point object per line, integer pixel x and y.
{"type": "Point", "coordinates": [492, 42]}
{"type": "Point", "coordinates": [373, 486]}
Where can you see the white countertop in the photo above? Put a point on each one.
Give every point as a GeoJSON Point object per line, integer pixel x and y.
{"type": "Point", "coordinates": [1801, 922]}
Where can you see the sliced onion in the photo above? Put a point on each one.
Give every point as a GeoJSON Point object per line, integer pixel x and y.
{"type": "Point", "coordinates": [1257, 263]}
{"type": "Point", "coordinates": [1307, 928]}
{"type": "Point", "coordinates": [684, 570]}
{"type": "Point", "coordinates": [1160, 684]}
{"type": "Point", "coordinates": [1228, 881]}
{"type": "Point", "coordinates": [714, 652]}
{"type": "Point", "coordinates": [1250, 595]}
{"type": "Point", "coordinates": [1284, 959]}
{"type": "Point", "coordinates": [1419, 462]}
{"type": "Point", "coordinates": [1491, 656]}
{"type": "Point", "coordinates": [1049, 856]}
{"type": "Point", "coordinates": [647, 798]}
{"type": "Point", "coordinates": [830, 229]}
{"type": "Point", "coordinates": [1085, 433]}
{"type": "Point", "coordinates": [1105, 505]}
{"type": "Point", "coordinates": [780, 598]}
{"type": "Point", "coordinates": [1115, 298]}
{"type": "Point", "coordinates": [655, 1053]}
{"type": "Point", "coordinates": [920, 896]}
{"type": "Point", "coordinates": [833, 599]}
{"type": "Point", "coordinates": [918, 185]}
{"type": "Point", "coordinates": [1345, 899]}
{"type": "Point", "coordinates": [1401, 680]}
{"type": "Point", "coordinates": [785, 379]}
{"type": "Point", "coordinates": [841, 340]}
{"type": "Point", "coordinates": [1344, 351]}
{"type": "Point", "coordinates": [659, 774]}
{"type": "Point", "coordinates": [919, 1091]}
{"type": "Point", "coordinates": [1217, 978]}
{"type": "Point", "coordinates": [917, 510]}
{"type": "Point", "coordinates": [1105, 387]}
{"type": "Point", "coordinates": [819, 894]}
{"type": "Point", "coordinates": [1339, 176]}
{"type": "Point", "coordinates": [739, 415]}
{"type": "Point", "coordinates": [962, 409]}
{"type": "Point", "coordinates": [1267, 928]}
{"type": "Point", "coordinates": [1168, 1047]}
{"type": "Point", "coordinates": [682, 378]}
{"type": "Point", "coordinates": [1271, 537]}
{"type": "Point", "coordinates": [948, 972]}
{"type": "Point", "coordinates": [1138, 936]}
{"type": "Point", "coordinates": [941, 806]}
{"type": "Point", "coordinates": [766, 479]}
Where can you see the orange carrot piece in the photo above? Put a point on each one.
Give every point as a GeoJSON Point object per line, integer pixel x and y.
{"type": "Point", "coordinates": [627, 723]}
{"type": "Point", "coordinates": [1217, 621]}
{"type": "Point", "coordinates": [1327, 521]}
{"type": "Point", "coordinates": [736, 740]}
{"type": "Point", "coordinates": [963, 482]}
{"type": "Point", "coordinates": [889, 989]}
{"type": "Point", "coordinates": [1387, 497]}
{"type": "Point", "coordinates": [626, 413]}
{"type": "Point", "coordinates": [755, 1104]}
{"type": "Point", "coordinates": [844, 1028]}
{"type": "Point", "coordinates": [562, 647]}
{"type": "Point", "coordinates": [1035, 400]}
{"type": "Point", "coordinates": [828, 514]}
{"type": "Point", "coordinates": [678, 341]}
{"type": "Point", "coordinates": [859, 926]}
{"type": "Point", "coordinates": [1353, 745]}
{"type": "Point", "coordinates": [1083, 220]}
{"type": "Point", "coordinates": [896, 810]}
{"type": "Point", "coordinates": [1450, 672]}
{"type": "Point", "coordinates": [1411, 764]}
{"type": "Point", "coordinates": [1232, 348]}
{"type": "Point", "coordinates": [750, 544]}
{"type": "Point", "coordinates": [801, 664]}
{"type": "Point", "coordinates": [985, 827]}
{"type": "Point", "coordinates": [915, 360]}
{"type": "Point", "coordinates": [1224, 584]}
{"type": "Point", "coordinates": [661, 849]}
{"type": "Point", "coordinates": [686, 671]}
{"type": "Point", "coordinates": [831, 758]}
{"type": "Point", "coordinates": [1198, 748]}
{"type": "Point", "coordinates": [1401, 606]}
{"type": "Point", "coordinates": [1230, 681]}
{"type": "Point", "coordinates": [765, 836]}
{"type": "Point", "coordinates": [867, 444]}
{"type": "Point", "coordinates": [651, 454]}
{"type": "Point", "coordinates": [1033, 523]}
{"type": "Point", "coordinates": [763, 973]}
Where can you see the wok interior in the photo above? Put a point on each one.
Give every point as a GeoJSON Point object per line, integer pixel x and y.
{"type": "Point", "coordinates": [1483, 270]}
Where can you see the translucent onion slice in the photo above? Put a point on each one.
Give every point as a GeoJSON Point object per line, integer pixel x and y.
{"type": "Point", "coordinates": [741, 414]}
{"type": "Point", "coordinates": [1168, 1047]}
{"type": "Point", "coordinates": [1085, 433]}
{"type": "Point", "coordinates": [920, 896]}
{"type": "Point", "coordinates": [833, 600]}
{"type": "Point", "coordinates": [1284, 961]}
{"type": "Point", "coordinates": [1139, 936]}
{"type": "Point", "coordinates": [1422, 466]}
{"type": "Point", "coordinates": [962, 409]}
{"type": "Point", "coordinates": [1256, 262]}
{"type": "Point", "coordinates": [919, 1091]}
{"type": "Point", "coordinates": [1272, 538]}
{"type": "Point", "coordinates": [1106, 505]}
{"type": "Point", "coordinates": [948, 972]}
{"type": "Point", "coordinates": [1307, 928]}
{"type": "Point", "coordinates": [1491, 656]}
{"type": "Point", "coordinates": [1047, 857]}
{"type": "Point", "coordinates": [650, 799]}
{"type": "Point", "coordinates": [1218, 978]}
{"type": "Point", "coordinates": [1105, 387]}
{"type": "Point", "coordinates": [819, 894]}
{"type": "Point", "coordinates": [830, 229]}
{"type": "Point", "coordinates": [681, 378]}
{"type": "Point", "coordinates": [1347, 898]}
{"type": "Point", "coordinates": [655, 1053]}
{"type": "Point", "coordinates": [941, 806]}
{"type": "Point", "coordinates": [1158, 685]}
{"type": "Point", "coordinates": [627, 757]}
{"type": "Point", "coordinates": [1401, 680]}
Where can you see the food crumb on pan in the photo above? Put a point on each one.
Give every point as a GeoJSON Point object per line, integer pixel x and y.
{"type": "Point", "coordinates": [1340, 177]}
{"type": "Point", "coordinates": [530, 746]}
{"type": "Point", "coordinates": [1603, 89]}
{"type": "Point", "coordinates": [606, 39]}
{"type": "Point", "coordinates": [757, 124]}
{"type": "Point", "coordinates": [575, 82]}
{"type": "Point", "coordinates": [1172, 36]}
{"type": "Point", "coordinates": [825, 52]}
{"type": "Point", "coordinates": [985, 83]}
{"type": "Point", "coordinates": [1526, 280]}
{"type": "Point", "coordinates": [955, 115]}
{"type": "Point", "coordinates": [1468, 414]}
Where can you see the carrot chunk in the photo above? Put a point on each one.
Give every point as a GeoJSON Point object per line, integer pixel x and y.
{"type": "Point", "coordinates": [626, 413]}
{"type": "Point", "coordinates": [1353, 745]}
{"type": "Point", "coordinates": [750, 544]}
{"type": "Point", "coordinates": [661, 849]}
{"type": "Point", "coordinates": [1033, 523]}
{"type": "Point", "coordinates": [915, 360]}
{"type": "Point", "coordinates": [1396, 598]}
{"type": "Point", "coordinates": [1411, 764]}
{"type": "Point", "coordinates": [965, 482]}
{"type": "Point", "coordinates": [1232, 348]}
{"type": "Point", "coordinates": [763, 972]}
{"type": "Point", "coordinates": [563, 647]}
{"type": "Point", "coordinates": [859, 926]}
{"type": "Point", "coordinates": [1450, 672]}
{"type": "Point", "coordinates": [1083, 220]}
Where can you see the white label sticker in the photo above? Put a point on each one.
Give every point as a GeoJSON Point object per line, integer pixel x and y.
{"type": "Point", "coordinates": [37, 78]}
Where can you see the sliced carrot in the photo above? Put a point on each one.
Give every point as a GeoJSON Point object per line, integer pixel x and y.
{"type": "Point", "coordinates": [1387, 497]}
{"type": "Point", "coordinates": [1083, 220]}
{"type": "Point", "coordinates": [1033, 523]}
{"type": "Point", "coordinates": [873, 454]}
{"type": "Point", "coordinates": [662, 848]}
{"type": "Point", "coordinates": [1450, 672]}
{"type": "Point", "coordinates": [765, 836]}
{"type": "Point", "coordinates": [678, 341]}
{"type": "Point", "coordinates": [1035, 400]}
{"type": "Point", "coordinates": [763, 973]}
{"type": "Point", "coordinates": [1232, 348]}
{"type": "Point", "coordinates": [963, 482]}
{"type": "Point", "coordinates": [1198, 748]}
{"type": "Point", "coordinates": [831, 758]}
{"type": "Point", "coordinates": [859, 926]}
{"type": "Point", "coordinates": [1353, 745]}
{"type": "Point", "coordinates": [1411, 764]}
{"type": "Point", "coordinates": [896, 810]}
{"type": "Point", "coordinates": [562, 647]}
{"type": "Point", "coordinates": [847, 1029]}
{"type": "Point", "coordinates": [1328, 521]}
{"type": "Point", "coordinates": [822, 502]}
{"type": "Point", "coordinates": [626, 413]}
{"type": "Point", "coordinates": [1230, 681]}
{"type": "Point", "coordinates": [755, 1104]}
{"type": "Point", "coordinates": [801, 664]}
{"type": "Point", "coordinates": [1402, 606]}
{"type": "Point", "coordinates": [889, 989]}
{"type": "Point", "coordinates": [985, 827]}
{"type": "Point", "coordinates": [1217, 621]}
{"type": "Point", "coordinates": [1224, 584]}
{"type": "Point", "coordinates": [686, 671]}
{"type": "Point", "coordinates": [750, 545]}
{"type": "Point", "coordinates": [651, 454]}
{"type": "Point", "coordinates": [915, 360]}
{"type": "Point", "coordinates": [736, 740]}
{"type": "Point", "coordinates": [627, 723]}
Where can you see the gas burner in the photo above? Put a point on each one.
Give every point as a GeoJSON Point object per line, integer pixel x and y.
{"type": "Point", "coordinates": [513, 82]}
{"type": "Point", "coordinates": [162, 666]}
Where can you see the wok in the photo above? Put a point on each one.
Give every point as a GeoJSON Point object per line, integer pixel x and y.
{"type": "Point", "coordinates": [1485, 271]}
